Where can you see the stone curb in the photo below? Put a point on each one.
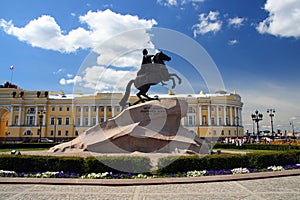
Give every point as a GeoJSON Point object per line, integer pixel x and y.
{"type": "Point", "coordinates": [150, 181]}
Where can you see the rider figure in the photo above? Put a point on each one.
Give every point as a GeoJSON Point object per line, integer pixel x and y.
{"type": "Point", "coordinates": [146, 58]}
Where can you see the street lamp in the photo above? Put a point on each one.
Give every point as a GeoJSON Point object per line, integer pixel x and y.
{"type": "Point", "coordinates": [271, 114]}
{"type": "Point", "coordinates": [256, 117]}
{"type": "Point", "coordinates": [41, 115]}
{"type": "Point", "coordinates": [292, 124]}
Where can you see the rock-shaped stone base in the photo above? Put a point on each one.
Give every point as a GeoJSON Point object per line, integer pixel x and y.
{"type": "Point", "coordinates": [151, 127]}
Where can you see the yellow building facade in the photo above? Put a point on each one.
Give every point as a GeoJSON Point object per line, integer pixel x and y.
{"type": "Point", "coordinates": [30, 115]}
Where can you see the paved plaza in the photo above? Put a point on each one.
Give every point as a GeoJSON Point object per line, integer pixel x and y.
{"type": "Point", "coordinates": [267, 188]}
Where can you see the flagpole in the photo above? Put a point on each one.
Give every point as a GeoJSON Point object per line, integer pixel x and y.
{"type": "Point", "coordinates": [11, 77]}
{"type": "Point", "coordinates": [12, 73]}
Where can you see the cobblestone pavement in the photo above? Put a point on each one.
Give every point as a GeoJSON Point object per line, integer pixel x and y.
{"type": "Point", "coordinates": [268, 188]}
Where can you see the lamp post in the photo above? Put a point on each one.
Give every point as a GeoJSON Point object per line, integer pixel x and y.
{"type": "Point", "coordinates": [271, 114]}
{"type": "Point", "coordinates": [54, 134]}
{"type": "Point", "coordinates": [41, 115]}
{"type": "Point", "coordinates": [256, 117]}
{"type": "Point", "coordinates": [292, 124]}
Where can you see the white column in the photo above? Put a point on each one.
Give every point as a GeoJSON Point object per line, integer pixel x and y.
{"type": "Point", "coordinates": [200, 115]}
{"type": "Point", "coordinates": [36, 116]}
{"type": "Point", "coordinates": [44, 116]}
{"type": "Point", "coordinates": [89, 116]}
{"type": "Point", "coordinates": [112, 111]}
{"type": "Point", "coordinates": [230, 112]}
{"type": "Point", "coordinates": [11, 114]}
{"type": "Point", "coordinates": [217, 110]}
{"type": "Point", "coordinates": [81, 115]}
{"type": "Point", "coordinates": [235, 116]}
{"type": "Point", "coordinates": [208, 115]}
{"type": "Point", "coordinates": [20, 116]}
{"type": "Point", "coordinates": [224, 113]}
{"type": "Point", "coordinates": [104, 113]}
{"type": "Point", "coordinates": [97, 113]}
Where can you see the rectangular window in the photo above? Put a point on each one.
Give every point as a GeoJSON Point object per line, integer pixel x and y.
{"type": "Point", "coordinates": [59, 121]}
{"type": "Point", "coordinates": [229, 132]}
{"type": "Point", "coordinates": [213, 121]}
{"type": "Point", "coordinates": [109, 109]}
{"type": "Point", "coordinates": [53, 109]}
{"type": "Point", "coordinates": [102, 109]}
{"type": "Point", "coordinates": [78, 121]}
{"type": "Point", "coordinates": [68, 109]}
{"type": "Point", "coordinates": [60, 109]}
{"type": "Point", "coordinates": [222, 132]}
{"type": "Point", "coordinates": [30, 120]}
{"type": "Point", "coordinates": [220, 109]}
{"type": "Point", "coordinates": [87, 109]}
{"type": "Point", "coordinates": [191, 120]}
{"type": "Point", "coordinates": [52, 120]}
{"type": "Point", "coordinates": [67, 120]}
{"type": "Point", "coordinates": [95, 109]}
{"type": "Point", "coordinates": [204, 120]}
{"type": "Point", "coordinates": [66, 132]}
{"type": "Point", "coordinates": [51, 132]}
{"type": "Point", "coordinates": [94, 121]}
{"type": "Point", "coordinates": [101, 119]}
{"type": "Point", "coordinates": [59, 132]}
{"type": "Point", "coordinates": [212, 108]}
{"type": "Point", "coordinates": [215, 132]}
{"type": "Point", "coordinates": [86, 121]}
{"type": "Point", "coordinates": [220, 120]}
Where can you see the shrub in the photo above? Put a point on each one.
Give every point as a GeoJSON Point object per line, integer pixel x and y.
{"type": "Point", "coordinates": [174, 164]}
{"type": "Point", "coordinates": [133, 164]}
{"type": "Point", "coordinates": [22, 163]}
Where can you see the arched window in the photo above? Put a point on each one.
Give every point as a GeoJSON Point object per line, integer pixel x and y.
{"type": "Point", "coordinates": [28, 132]}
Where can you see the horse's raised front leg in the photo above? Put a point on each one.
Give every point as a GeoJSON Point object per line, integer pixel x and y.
{"type": "Point", "coordinates": [179, 79]}
{"type": "Point", "coordinates": [174, 84]}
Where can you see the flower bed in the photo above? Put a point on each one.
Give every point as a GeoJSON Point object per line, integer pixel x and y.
{"type": "Point", "coordinates": [110, 175]}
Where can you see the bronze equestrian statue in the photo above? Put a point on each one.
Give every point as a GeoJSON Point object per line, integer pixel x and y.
{"type": "Point", "coordinates": [150, 74]}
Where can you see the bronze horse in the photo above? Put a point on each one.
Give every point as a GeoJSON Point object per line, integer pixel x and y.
{"type": "Point", "coordinates": [148, 75]}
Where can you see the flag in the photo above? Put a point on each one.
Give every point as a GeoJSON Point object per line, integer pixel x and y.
{"type": "Point", "coordinates": [11, 67]}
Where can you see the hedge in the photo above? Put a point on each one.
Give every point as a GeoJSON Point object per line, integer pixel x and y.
{"type": "Point", "coordinates": [24, 163]}
{"type": "Point", "coordinates": [276, 147]}
{"type": "Point", "coordinates": [26, 145]}
{"type": "Point", "coordinates": [173, 164]}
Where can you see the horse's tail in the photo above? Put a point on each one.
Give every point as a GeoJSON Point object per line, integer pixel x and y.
{"type": "Point", "coordinates": [126, 95]}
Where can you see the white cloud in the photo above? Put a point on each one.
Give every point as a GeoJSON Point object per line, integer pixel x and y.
{"type": "Point", "coordinates": [69, 75]}
{"type": "Point", "coordinates": [76, 79]}
{"type": "Point", "coordinates": [44, 32]}
{"type": "Point", "coordinates": [208, 23]}
{"type": "Point", "coordinates": [58, 71]}
{"type": "Point", "coordinates": [170, 3]}
{"type": "Point", "coordinates": [100, 78]}
{"type": "Point", "coordinates": [283, 19]}
{"type": "Point", "coordinates": [232, 42]}
{"type": "Point", "coordinates": [236, 22]}
{"type": "Point", "coordinates": [112, 36]}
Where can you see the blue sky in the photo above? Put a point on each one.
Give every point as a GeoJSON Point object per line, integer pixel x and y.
{"type": "Point", "coordinates": [254, 44]}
